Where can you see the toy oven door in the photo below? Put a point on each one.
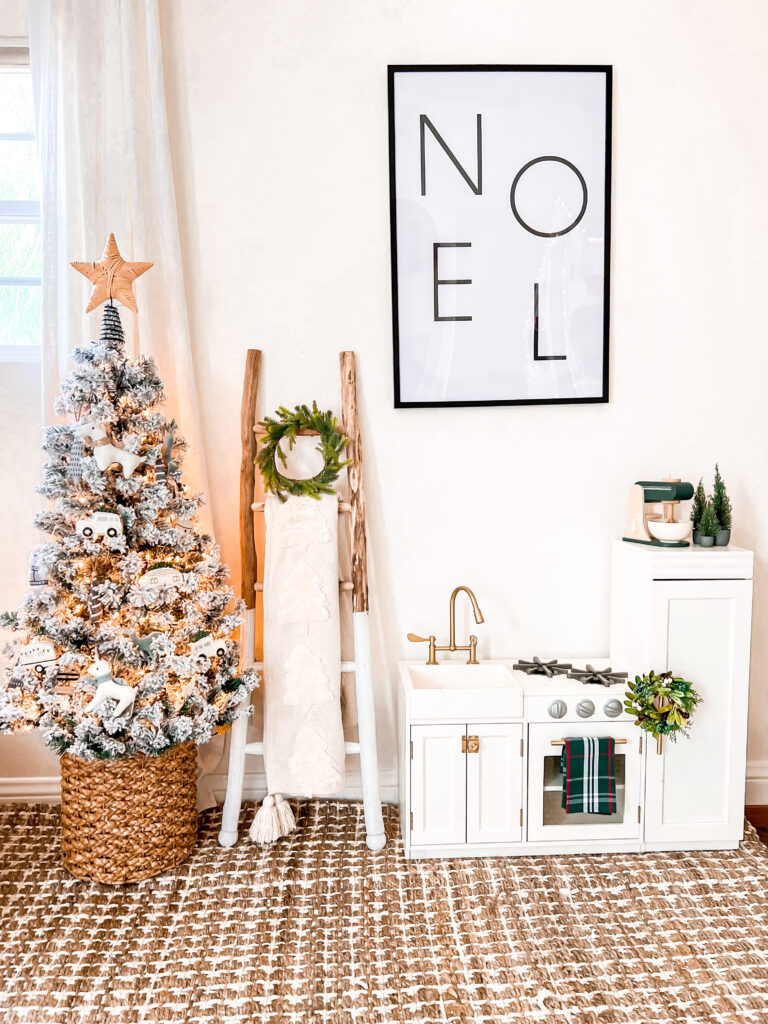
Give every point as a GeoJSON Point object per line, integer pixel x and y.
{"type": "Point", "coordinates": [547, 820]}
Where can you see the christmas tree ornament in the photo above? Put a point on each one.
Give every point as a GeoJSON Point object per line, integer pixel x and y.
{"type": "Point", "coordinates": [75, 460]}
{"type": "Point", "coordinates": [38, 655]}
{"type": "Point", "coordinates": [144, 644]}
{"type": "Point", "coordinates": [101, 523]}
{"type": "Point", "coordinates": [95, 608]}
{"type": "Point", "coordinates": [109, 688]}
{"type": "Point", "coordinates": [203, 645]}
{"type": "Point", "coordinates": [38, 567]}
{"type": "Point", "coordinates": [161, 576]}
{"type": "Point", "coordinates": [106, 453]}
{"type": "Point", "coordinates": [112, 277]}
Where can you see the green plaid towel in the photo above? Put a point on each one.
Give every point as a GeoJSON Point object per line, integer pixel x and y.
{"type": "Point", "coordinates": [589, 776]}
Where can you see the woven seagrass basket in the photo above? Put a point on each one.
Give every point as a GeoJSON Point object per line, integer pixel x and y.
{"type": "Point", "coordinates": [131, 818]}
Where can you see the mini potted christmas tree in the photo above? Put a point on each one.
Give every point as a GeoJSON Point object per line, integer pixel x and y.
{"type": "Point", "coordinates": [722, 506]}
{"type": "Point", "coordinates": [697, 509]}
{"type": "Point", "coordinates": [708, 526]}
{"type": "Point", "coordinates": [126, 661]}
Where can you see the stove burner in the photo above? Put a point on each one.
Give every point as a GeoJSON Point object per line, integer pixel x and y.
{"type": "Point", "coordinates": [537, 667]}
{"type": "Point", "coordinates": [599, 676]}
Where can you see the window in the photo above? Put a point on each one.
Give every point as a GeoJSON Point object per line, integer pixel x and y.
{"type": "Point", "coordinates": [20, 230]}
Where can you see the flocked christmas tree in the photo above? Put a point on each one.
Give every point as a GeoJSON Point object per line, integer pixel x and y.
{"type": "Point", "coordinates": [125, 632]}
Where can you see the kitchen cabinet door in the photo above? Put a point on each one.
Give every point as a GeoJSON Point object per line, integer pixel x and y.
{"type": "Point", "coordinates": [495, 783]}
{"type": "Point", "coordinates": [700, 629]}
{"type": "Point", "coordinates": [438, 785]}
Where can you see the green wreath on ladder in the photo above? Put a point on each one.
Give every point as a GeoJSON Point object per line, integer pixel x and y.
{"type": "Point", "coordinates": [287, 424]}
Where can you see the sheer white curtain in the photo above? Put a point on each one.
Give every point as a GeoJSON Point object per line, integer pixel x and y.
{"type": "Point", "coordinates": [97, 66]}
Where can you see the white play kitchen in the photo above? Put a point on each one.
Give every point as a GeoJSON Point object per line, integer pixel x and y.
{"type": "Point", "coordinates": [482, 765]}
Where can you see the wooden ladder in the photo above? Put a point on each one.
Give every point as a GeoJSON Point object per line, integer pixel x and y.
{"type": "Point", "coordinates": [358, 584]}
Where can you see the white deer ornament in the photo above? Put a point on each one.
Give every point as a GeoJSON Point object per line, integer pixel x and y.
{"type": "Point", "coordinates": [108, 688]}
{"type": "Point", "coordinates": [106, 453]}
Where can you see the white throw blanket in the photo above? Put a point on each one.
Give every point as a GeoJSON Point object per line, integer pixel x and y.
{"type": "Point", "coordinates": [303, 733]}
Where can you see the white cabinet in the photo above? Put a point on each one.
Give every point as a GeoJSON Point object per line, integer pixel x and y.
{"type": "Point", "coordinates": [466, 784]}
{"type": "Point", "coordinates": [689, 611]}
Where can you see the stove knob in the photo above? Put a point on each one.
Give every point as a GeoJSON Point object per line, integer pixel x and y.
{"type": "Point", "coordinates": [613, 708]}
{"type": "Point", "coordinates": [585, 708]}
{"type": "Point", "coordinates": [557, 709]}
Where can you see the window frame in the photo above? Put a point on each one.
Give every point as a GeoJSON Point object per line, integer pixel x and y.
{"type": "Point", "coordinates": [18, 211]}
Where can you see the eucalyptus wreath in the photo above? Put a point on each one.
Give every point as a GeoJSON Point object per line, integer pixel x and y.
{"type": "Point", "coordinates": [662, 704]}
{"type": "Point", "coordinates": [287, 424]}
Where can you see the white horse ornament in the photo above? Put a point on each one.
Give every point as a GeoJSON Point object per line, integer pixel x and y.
{"type": "Point", "coordinates": [109, 688]}
{"type": "Point", "coordinates": [106, 453]}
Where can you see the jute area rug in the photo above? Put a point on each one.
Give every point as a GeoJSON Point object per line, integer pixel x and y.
{"type": "Point", "coordinates": [319, 929]}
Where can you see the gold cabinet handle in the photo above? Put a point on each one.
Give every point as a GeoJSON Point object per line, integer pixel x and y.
{"type": "Point", "coordinates": [659, 744]}
{"type": "Point", "coordinates": [473, 744]}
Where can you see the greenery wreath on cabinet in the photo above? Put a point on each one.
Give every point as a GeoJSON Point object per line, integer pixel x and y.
{"type": "Point", "coordinates": [662, 704]}
{"type": "Point", "coordinates": [288, 425]}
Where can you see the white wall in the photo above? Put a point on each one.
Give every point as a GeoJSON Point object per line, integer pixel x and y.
{"type": "Point", "coordinates": [279, 120]}
{"type": "Point", "coordinates": [280, 146]}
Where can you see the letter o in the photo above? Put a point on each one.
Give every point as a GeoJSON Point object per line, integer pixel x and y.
{"type": "Point", "coordinates": [518, 176]}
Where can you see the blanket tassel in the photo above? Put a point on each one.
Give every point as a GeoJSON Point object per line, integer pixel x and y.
{"type": "Point", "coordinates": [273, 820]}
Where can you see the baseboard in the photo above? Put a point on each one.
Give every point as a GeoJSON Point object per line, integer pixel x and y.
{"type": "Point", "coordinates": [757, 782]}
{"type": "Point", "coordinates": [46, 789]}
{"type": "Point", "coordinates": [35, 789]}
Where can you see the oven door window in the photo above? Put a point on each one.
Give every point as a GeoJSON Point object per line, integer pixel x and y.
{"type": "Point", "coordinates": [552, 795]}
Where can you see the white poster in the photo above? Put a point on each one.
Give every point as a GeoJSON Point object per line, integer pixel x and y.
{"type": "Point", "coordinates": [500, 209]}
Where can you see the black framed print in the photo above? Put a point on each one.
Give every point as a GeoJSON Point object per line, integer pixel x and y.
{"type": "Point", "coordinates": [500, 180]}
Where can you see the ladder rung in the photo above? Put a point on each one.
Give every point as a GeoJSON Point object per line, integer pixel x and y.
{"type": "Point", "coordinates": [344, 506]}
{"type": "Point", "coordinates": [346, 666]}
{"type": "Point", "coordinates": [305, 432]}
{"type": "Point", "coordinates": [258, 748]}
{"type": "Point", "coordinates": [343, 585]}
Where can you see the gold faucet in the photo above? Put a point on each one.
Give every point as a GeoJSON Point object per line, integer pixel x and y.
{"type": "Point", "coordinates": [452, 645]}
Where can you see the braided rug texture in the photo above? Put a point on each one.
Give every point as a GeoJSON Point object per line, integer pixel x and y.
{"type": "Point", "coordinates": [319, 929]}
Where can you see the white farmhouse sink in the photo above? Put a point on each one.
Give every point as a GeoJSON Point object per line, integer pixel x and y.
{"type": "Point", "coordinates": [455, 690]}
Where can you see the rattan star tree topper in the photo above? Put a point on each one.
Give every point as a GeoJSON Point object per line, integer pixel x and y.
{"type": "Point", "coordinates": [125, 636]}
{"type": "Point", "coordinates": [112, 277]}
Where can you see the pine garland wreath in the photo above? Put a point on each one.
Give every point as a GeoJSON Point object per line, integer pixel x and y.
{"type": "Point", "coordinates": [662, 704]}
{"type": "Point", "coordinates": [287, 425]}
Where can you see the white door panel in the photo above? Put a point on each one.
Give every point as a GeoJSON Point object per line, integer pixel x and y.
{"type": "Point", "coordinates": [438, 785]}
{"type": "Point", "coordinates": [695, 787]}
{"type": "Point", "coordinates": [494, 783]}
